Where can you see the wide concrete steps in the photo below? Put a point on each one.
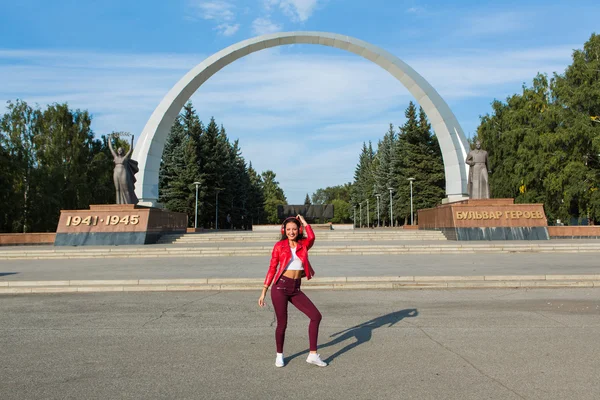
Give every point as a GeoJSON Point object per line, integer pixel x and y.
{"type": "Point", "coordinates": [331, 283]}
{"type": "Point", "coordinates": [326, 236]}
{"type": "Point", "coordinates": [265, 250]}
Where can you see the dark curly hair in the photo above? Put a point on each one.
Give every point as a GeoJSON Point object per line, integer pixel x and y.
{"type": "Point", "coordinates": [287, 221]}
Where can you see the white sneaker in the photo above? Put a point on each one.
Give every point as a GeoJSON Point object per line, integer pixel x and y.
{"type": "Point", "coordinates": [316, 359]}
{"type": "Point", "coordinates": [279, 360]}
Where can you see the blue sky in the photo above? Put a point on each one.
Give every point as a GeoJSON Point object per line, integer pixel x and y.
{"type": "Point", "coordinates": [302, 111]}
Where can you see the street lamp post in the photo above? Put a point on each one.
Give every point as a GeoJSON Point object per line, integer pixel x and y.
{"type": "Point", "coordinates": [411, 200]}
{"type": "Point", "coordinates": [360, 214]}
{"type": "Point", "coordinates": [391, 212]}
{"type": "Point", "coordinates": [368, 222]}
{"type": "Point", "coordinates": [378, 196]}
{"type": "Point", "coordinates": [354, 220]}
{"type": "Point", "coordinates": [196, 215]}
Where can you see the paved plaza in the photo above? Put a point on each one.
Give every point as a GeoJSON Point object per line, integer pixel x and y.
{"type": "Point", "coordinates": [426, 344]}
{"type": "Point", "coordinates": [208, 344]}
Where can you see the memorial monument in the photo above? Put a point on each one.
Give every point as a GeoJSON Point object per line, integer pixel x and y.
{"type": "Point", "coordinates": [453, 142]}
{"type": "Point", "coordinates": [481, 217]}
{"type": "Point", "coordinates": [122, 223]}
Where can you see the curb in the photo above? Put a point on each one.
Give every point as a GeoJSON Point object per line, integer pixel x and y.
{"type": "Point", "coordinates": [333, 283]}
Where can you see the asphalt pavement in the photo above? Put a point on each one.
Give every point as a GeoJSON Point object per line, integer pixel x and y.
{"type": "Point", "coordinates": [442, 344]}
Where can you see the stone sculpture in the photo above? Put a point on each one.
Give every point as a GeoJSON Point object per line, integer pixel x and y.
{"type": "Point", "coordinates": [478, 184]}
{"type": "Point", "coordinates": [124, 174]}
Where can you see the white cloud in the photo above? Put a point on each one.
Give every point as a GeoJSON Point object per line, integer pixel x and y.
{"type": "Point", "coordinates": [228, 29]}
{"type": "Point", "coordinates": [262, 26]}
{"type": "Point", "coordinates": [495, 23]}
{"type": "Point", "coordinates": [415, 10]}
{"type": "Point", "coordinates": [479, 73]}
{"type": "Point", "coordinates": [27, 58]}
{"type": "Point", "coordinates": [219, 10]}
{"type": "Point", "coordinates": [297, 10]}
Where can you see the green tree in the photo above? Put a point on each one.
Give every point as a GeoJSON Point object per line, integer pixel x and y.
{"type": "Point", "coordinates": [18, 132]}
{"type": "Point", "coordinates": [429, 187]}
{"type": "Point", "coordinates": [577, 96]}
{"type": "Point", "coordinates": [56, 163]}
{"type": "Point", "coordinates": [307, 200]}
{"type": "Point", "coordinates": [194, 153]}
{"type": "Point", "coordinates": [544, 143]}
{"type": "Point", "coordinates": [7, 196]}
{"type": "Point", "coordinates": [384, 170]}
{"type": "Point", "coordinates": [418, 156]}
{"type": "Point", "coordinates": [330, 193]}
{"type": "Point", "coordinates": [514, 136]}
{"type": "Point", "coordinates": [213, 174]}
{"type": "Point", "coordinates": [180, 166]}
{"type": "Point", "coordinates": [256, 197]}
{"type": "Point", "coordinates": [405, 163]}
{"type": "Point", "coordinates": [341, 211]}
{"type": "Point", "coordinates": [240, 182]}
{"type": "Point", "coordinates": [273, 196]}
{"type": "Point", "coordinates": [339, 196]}
{"type": "Point", "coordinates": [362, 188]}
{"type": "Point", "coordinates": [65, 152]}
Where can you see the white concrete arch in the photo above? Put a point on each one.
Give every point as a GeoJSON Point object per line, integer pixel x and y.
{"type": "Point", "coordinates": [453, 142]}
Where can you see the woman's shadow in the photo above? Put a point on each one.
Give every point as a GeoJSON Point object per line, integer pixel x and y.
{"type": "Point", "coordinates": [361, 333]}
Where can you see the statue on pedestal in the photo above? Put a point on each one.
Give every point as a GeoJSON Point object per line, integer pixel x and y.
{"type": "Point", "coordinates": [123, 175]}
{"type": "Point", "coordinates": [478, 184]}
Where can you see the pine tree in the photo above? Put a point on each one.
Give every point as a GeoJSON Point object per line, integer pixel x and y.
{"type": "Point", "coordinates": [180, 166]}
{"type": "Point", "coordinates": [384, 171]}
{"type": "Point", "coordinates": [211, 170]}
{"type": "Point", "coordinates": [256, 198]}
{"type": "Point", "coordinates": [362, 188]}
{"type": "Point", "coordinates": [194, 153]}
{"type": "Point", "coordinates": [418, 156]}
{"type": "Point", "coordinates": [241, 183]}
{"type": "Point", "coordinates": [429, 187]}
{"type": "Point", "coordinates": [406, 163]}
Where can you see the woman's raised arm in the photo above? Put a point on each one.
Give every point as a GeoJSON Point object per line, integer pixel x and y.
{"type": "Point", "coordinates": [112, 151]}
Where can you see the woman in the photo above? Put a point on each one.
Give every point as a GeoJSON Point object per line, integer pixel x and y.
{"type": "Point", "coordinates": [291, 254]}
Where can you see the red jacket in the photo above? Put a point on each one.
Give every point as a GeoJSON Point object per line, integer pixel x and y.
{"type": "Point", "coordinates": [282, 255]}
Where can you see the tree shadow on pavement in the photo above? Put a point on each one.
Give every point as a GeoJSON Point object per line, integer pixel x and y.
{"type": "Point", "coordinates": [8, 273]}
{"type": "Point", "coordinates": [362, 333]}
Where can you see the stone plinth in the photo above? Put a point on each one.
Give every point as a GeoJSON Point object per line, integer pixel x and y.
{"type": "Point", "coordinates": [574, 232]}
{"type": "Point", "coordinates": [487, 219]}
{"type": "Point", "coordinates": [21, 239]}
{"type": "Point", "coordinates": [116, 224]}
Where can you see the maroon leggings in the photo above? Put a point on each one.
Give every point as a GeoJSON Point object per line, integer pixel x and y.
{"type": "Point", "coordinates": [288, 290]}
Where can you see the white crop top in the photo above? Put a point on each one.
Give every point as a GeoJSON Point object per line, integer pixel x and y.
{"type": "Point", "coordinates": [295, 264]}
